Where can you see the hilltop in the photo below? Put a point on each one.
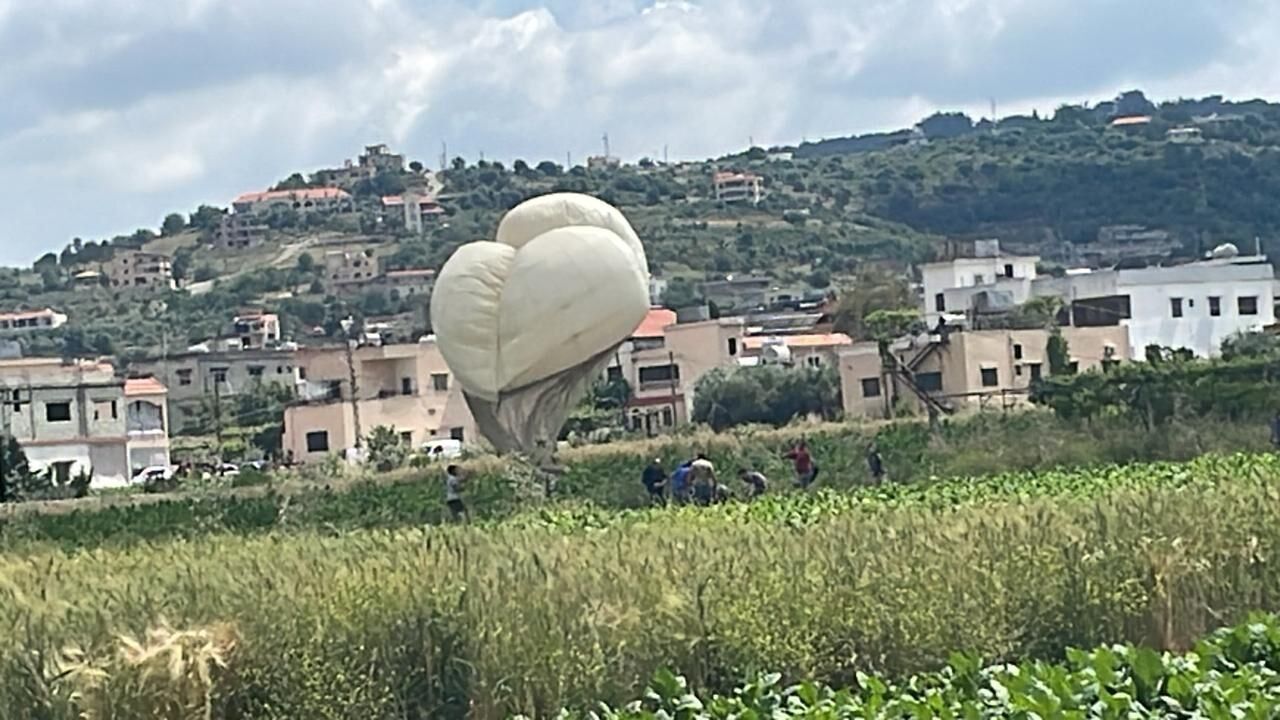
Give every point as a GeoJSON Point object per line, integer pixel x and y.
{"type": "Point", "coordinates": [1123, 180]}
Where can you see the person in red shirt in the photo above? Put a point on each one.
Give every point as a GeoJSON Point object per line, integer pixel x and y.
{"type": "Point", "coordinates": [806, 471]}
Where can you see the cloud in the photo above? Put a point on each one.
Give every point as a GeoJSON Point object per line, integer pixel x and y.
{"type": "Point", "coordinates": [116, 112]}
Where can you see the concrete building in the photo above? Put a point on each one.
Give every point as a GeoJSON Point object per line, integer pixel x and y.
{"type": "Point", "coordinates": [88, 280]}
{"type": "Point", "coordinates": [76, 417]}
{"type": "Point", "coordinates": [138, 269]}
{"type": "Point", "coordinates": [194, 377]}
{"type": "Point", "coordinates": [239, 231]}
{"type": "Point", "coordinates": [812, 350]}
{"type": "Point", "coordinates": [664, 359]}
{"type": "Point", "coordinates": [982, 271]}
{"type": "Point", "coordinates": [256, 330]}
{"type": "Point", "coordinates": [304, 201]}
{"type": "Point", "coordinates": [965, 370]}
{"type": "Point", "coordinates": [375, 159]}
{"type": "Point", "coordinates": [657, 289]}
{"type": "Point", "coordinates": [406, 387]}
{"type": "Point", "coordinates": [350, 271]}
{"type": "Point", "coordinates": [416, 211]}
{"type": "Point", "coordinates": [738, 292]}
{"type": "Point", "coordinates": [31, 320]}
{"type": "Point", "coordinates": [738, 187]}
{"type": "Point", "coordinates": [603, 162]}
{"type": "Point", "coordinates": [412, 282]}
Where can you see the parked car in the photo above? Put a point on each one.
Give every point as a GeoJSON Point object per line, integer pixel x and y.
{"type": "Point", "coordinates": [228, 470]}
{"type": "Point", "coordinates": [443, 449]}
{"type": "Point", "coordinates": [151, 474]}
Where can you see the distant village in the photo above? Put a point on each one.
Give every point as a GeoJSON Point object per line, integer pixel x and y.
{"type": "Point", "coordinates": [76, 416]}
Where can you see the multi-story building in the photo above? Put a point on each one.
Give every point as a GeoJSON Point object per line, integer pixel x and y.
{"type": "Point", "coordinates": [812, 350]}
{"type": "Point", "coordinates": [1195, 305]}
{"type": "Point", "coordinates": [30, 320]}
{"type": "Point", "coordinates": [76, 417]}
{"type": "Point", "coordinates": [350, 271]}
{"type": "Point", "coordinates": [376, 159]}
{"type": "Point", "coordinates": [139, 269]}
{"type": "Point", "coordinates": [411, 282]}
{"type": "Point", "coordinates": [417, 211]}
{"type": "Point", "coordinates": [738, 291]}
{"type": "Point", "coordinates": [239, 231]}
{"type": "Point", "coordinates": [965, 369]}
{"type": "Point", "coordinates": [304, 201]}
{"type": "Point", "coordinates": [256, 330]}
{"type": "Point", "coordinates": [738, 187]}
{"type": "Point", "coordinates": [407, 387]}
{"type": "Point", "coordinates": [194, 378]}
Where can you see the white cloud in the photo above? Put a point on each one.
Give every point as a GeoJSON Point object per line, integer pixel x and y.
{"type": "Point", "coordinates": [136, 108]}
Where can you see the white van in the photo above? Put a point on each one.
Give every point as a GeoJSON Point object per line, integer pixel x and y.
{"type": "Point", "coordinates": [442, 449]}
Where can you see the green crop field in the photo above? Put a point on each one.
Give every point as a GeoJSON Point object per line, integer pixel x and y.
{"type": "Point", "coordinates": [567, 606]}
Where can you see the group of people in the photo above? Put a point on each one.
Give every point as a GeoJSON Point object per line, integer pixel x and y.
{"type": "Point", "coordinates": [695, 481]}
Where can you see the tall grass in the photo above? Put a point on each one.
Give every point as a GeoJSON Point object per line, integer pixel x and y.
{"type": "Point", "coordinates": [533, 616]}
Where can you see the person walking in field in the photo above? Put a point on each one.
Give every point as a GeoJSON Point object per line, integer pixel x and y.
{"type": "Point", "coordinates": [875, 464]}
{"type": "Point", "coordinates": [757, 484]}
{"type": "Point", "coordinates": [1275, 431]}
{"type": "Point", "coordinates": [703, 474]}
{"type": "Point", "coordinates": [655, 482]}
{"type": "Point", "coordinates": [802, 461]}
{"type": "Point", "coordinates": [453, 493]}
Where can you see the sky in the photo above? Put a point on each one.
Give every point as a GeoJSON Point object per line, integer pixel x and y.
{"type": "Point", "coordinates": [114, 113]}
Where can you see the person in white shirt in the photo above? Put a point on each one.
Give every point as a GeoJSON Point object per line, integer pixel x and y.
{"type": "Point", "coordinates": [453, 493]}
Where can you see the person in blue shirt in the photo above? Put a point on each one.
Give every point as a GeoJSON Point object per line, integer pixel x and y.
{"type": "Point", "coordinates": [680, 482]}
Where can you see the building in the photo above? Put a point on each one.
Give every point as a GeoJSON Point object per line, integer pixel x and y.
{"type": "Point", "coordinates": [664, 359]}
{"type": "Point", "coordinates": [965, 370]}
{"type": "Point", "coordinates": [376, 159]}
{"type": "Point", "coordinates": [428, 210]}
{"type": "Point", "coordinates": [350, 271]}
{"type": "Point", "coordinates": [603, 162]}
{"type": "Point", "coordinates": [139, 269]}
{"type": "Point", "coordinates": [194, 378]}
{"type": "Point", "coordinates": [256, 330]}
{"type": "Point", "coordinates": [413, 282]}
{"type": "Point", "coordinates": [1184, 135]}
{"type": "Point", "coordinates": [239, 231]}
{"type": "Point", "coordinates": [978, 271]}
{"type": "Point", "coordinates": [1131, 121]}
{"type": "Point", "coordinates": [304, 201]}
{"type": "Point", "coordinates": [88, 280]}
{"type": "Point", "coordinates": [31, 320]}
{"type": "Point", "coordinates": [812, 350]}
{"type": "Point", "coordinates": [657, 289]}
{"type": "Point", "coordinates": [738, 292]}
{"type": "Point", "coordinates": [407, 387]}
{"type": "Point", "coordinates": [738, 187]}
{"type": "Point", "coordinates": [76, 417]}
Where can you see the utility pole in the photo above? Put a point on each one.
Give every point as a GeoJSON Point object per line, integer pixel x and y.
{"type": "Point", "coordinates": [671, 364]}
{"type": "Point", "coordinates": [568, 160]}
{"type": "Point", "coordinates": [664, 153]}
{"type": "Point", "coordinates": [606, 145]}
{"type": "Point", "coordinates": [5, 443]}
{"type": "Point", "coordinates": [444, 156]}
{"type": "Point", "coordinates": [217, 416]}
{"type": "Point", "coordinates": [355, 391]}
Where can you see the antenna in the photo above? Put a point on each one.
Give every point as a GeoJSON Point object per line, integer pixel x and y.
{"type": "Point", "coordinates": [751, 142]}
{"type": "Point", "coordinates": [994, 117]}
{"type": "Point", "coordinates": [444, 155]}
{"type": "Point", "coordinates": [664, 153]}
{"type": "Point", "coordinates": [568, 160]}
{"type": "Point", "coordinates": [606, 145]}
{"type": "Point", "coordinates": [481, 156]}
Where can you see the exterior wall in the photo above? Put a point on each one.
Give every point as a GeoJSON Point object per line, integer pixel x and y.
{"type": "Point", "coordinates": [969, 272]}
{"type": "Point", "coordinates": [237, 231]}
{"type": "Point", "coordinates": [33, 320]}
{"type": "Point", "coordinates": [1013, 355]}
{"type": "Point", "coordinates": [140, 270]}
{"type": "Point", "coordinates": [433, 407]}
{"type": "Point", "coordinates": [322, 200]}
{"type": "Point", "coordinates": [190, 377]}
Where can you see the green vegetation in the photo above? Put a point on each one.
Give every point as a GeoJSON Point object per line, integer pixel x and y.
{"type": "Point", "coordinates": [767, 395]}
{"type": "Point", "coordinates": [1231, 674]}
{"type": "Point", "coordinates": [556, 609]}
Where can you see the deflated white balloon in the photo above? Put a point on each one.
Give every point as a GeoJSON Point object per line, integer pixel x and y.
{"type": "Point", "coordinates": [566, 280]}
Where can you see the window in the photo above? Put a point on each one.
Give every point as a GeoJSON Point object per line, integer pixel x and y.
{"type": "Point", "coordinates": [940, 302]}
{"type": "Point", "coordinates": [440, 382]}
{"type": "Point", "coordinates": [57, 412]}
{"type": "Point", "coordinates": [184, 377]}
{"type": "Point", "coordinates": [668, 417]}
{"type": "Point", "coordinates": [659, 374]}
{"type": "Point", "coordinates": [1017, 351]}
{"type": "Point", "coordinates": [62, 471]}
{"type": "Point", "coordinates": [1248, 305]}
{"type": "Point", "coordinates": [1073, 367]}
{"type": "Point", "coordinates": [456, 434]}
{"type": "Point", "coordinates": [219, 375]}
{"type": "Point", "coordinates": [255, 371]}
{"type": "Point", "coordinates": [733, 346]}
{"type": "Point", "coordinates": [103, 409]}
{"type": "Point", "coordinates": [318, 441]}
{"type": "Point", "coordinates": [1175, 307]}
{"type": "Point", "coordinates": [1035, 371]}
{"type": "Point", "coordinates": [333, 389]}
{"type": "Point", "coordinates": [1008, 270]}
{"type": "Point", "coordinates": [813, 361]}
{"type": "Point", "coordinates": [990, 377]}
{"type": "Point", "coordinates": [406, 437]}
{"type": "Point", "coordinates": [613, 373]}
{"type": "Point", "coordinates": [870, 387]}
{"type": "Point", "coordinates": [929, 381]}
{"type": "Point", "coordinates": [979, 280]}
{"type": "Point", "coordinates": [1017, 370]}
{"type": "Point", "coordinates": [406, 386]}
{"type": "Point", "coordinates": [302, 373]}
{"type": "Point", "coordinates": [1215, 306]}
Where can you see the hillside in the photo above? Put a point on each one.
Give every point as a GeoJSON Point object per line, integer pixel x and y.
{"type": "Point", "coordinates": [1072, 187]}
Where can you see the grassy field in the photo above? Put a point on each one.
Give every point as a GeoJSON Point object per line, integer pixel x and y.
{"type": "Point", "coordinates": [325, 499]}
{"type": "Point", "coordinates": [566, 606]}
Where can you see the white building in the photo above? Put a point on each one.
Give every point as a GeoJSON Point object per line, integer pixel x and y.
{"type": "Point", "coordinates": [950, 285]}
{"type": "Point", "coordinates": [45, 319]}
{"type": "Point", "coordinates": [735, 187]}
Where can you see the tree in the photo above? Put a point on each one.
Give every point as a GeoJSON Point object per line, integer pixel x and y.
{"type": "Point", "coordinates": [15, 472]}
{"type": "Point", "coordinates": [680, 293]}
{"type": "Point", "coordinates": [756, 153]}
{"type": "Point", "coordinates": [173, 224]}
{"type": "Point", "coordinates": [205, 273]}
{"type": "Point", "coordinates": [1058, 353]}
{"type": "Point", "coordinates": [548, 168]}
{"type": "Point", "coordinates": [1250, 345]}
{"type": "Point", "coordinates": [458, 164]}
{"type": "Point", "coordinates": [182, 264]}
{"type": "Point", "coordinates": [306, 264]}
{"type": "Point", "coordinates": [768, 394]}
{"type": "Point", "coordinates": [946, 125]}
{"type": "Point", "coordinates": [47, 262]}
{"type": "Point", "coordinates": [386, 451]}
{"type": "Point", "coordinates": [206, 218]}
{"type": "Point", "coordinates": [1133, 102]}
{"type": "Point", "coordinates": [294, 182]}
{"type": "Point", "coordinates": [416, 166]}
{"type": "Point", "coordinates": [103, 344]}
{"type": "Point", "coordinates": [872, 291]}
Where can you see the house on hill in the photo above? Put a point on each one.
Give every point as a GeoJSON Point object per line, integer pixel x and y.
{"type": "Point", "coordinates": [139, 269]}
{"type": "Point", "coordinates": [304, 201]}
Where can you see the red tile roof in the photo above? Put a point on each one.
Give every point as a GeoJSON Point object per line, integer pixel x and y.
{"type": "Point", "coordinates": [144, 386]}
{"type": "Point", "coordinates": [654, 323]}
{"type": "Point", "coordinates": [1131, 120]}
{"type": "Point", "coordinates": [304, 194]}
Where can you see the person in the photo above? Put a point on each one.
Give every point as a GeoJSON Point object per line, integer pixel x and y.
{"type": "Point", "coordinates": [800, 458]}
{"type": "Point", "coordinates": [655, 481]}
{"type": "Point", "coordinates": [680, 482]}
{"type": "Point", "coordinates": [453, 493]}
{"type": "Point", "coordinates": [1275, 431]}
{"type": "Point", "coordinates": [755, 481]}
{"type": "Point", "coordinates": [875, 464]}
{"type": "Point", "coordinates": [703, 473]}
